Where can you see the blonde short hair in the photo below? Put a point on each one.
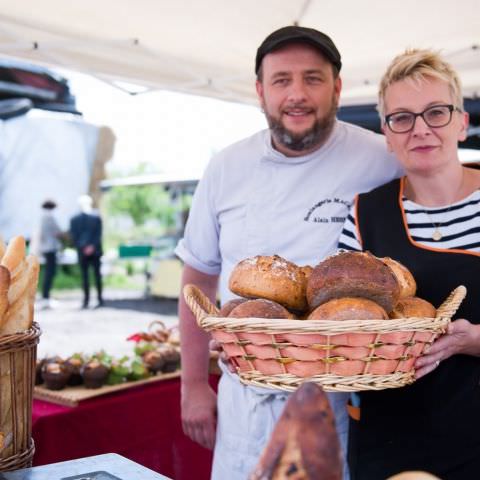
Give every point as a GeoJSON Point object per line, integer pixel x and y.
{"type": "Point", "coordinates": [416, 65]}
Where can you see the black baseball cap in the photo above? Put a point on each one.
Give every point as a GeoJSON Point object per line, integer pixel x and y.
{"type": "Point", "coordinates": [293, 34]}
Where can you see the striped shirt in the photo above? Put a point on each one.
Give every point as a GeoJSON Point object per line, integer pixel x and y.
{"type": "Point", "coordinates": [458, 225]}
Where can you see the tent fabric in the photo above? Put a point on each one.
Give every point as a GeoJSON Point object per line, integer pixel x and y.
{"type": "Point", "coordinates": [208, 47]}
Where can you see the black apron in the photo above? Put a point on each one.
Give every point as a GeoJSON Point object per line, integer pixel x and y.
{"type": "Point", "coordinates": [434, 424]}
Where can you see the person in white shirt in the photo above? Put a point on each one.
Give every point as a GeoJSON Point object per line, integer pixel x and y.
{"type": "Point", "coordinates": [287, 191]}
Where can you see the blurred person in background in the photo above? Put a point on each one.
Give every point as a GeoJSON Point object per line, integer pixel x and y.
{"type": "Point", "coordinates": [86, 235]}
{"type": "Point", "coordinates": [47, 244]}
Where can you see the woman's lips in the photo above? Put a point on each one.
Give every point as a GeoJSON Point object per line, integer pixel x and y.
{"type": "Point", "coordinates": [424, 148]}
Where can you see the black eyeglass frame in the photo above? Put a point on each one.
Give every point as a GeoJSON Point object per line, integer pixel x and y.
{"type": "Point", "coordinates": [451, 109]}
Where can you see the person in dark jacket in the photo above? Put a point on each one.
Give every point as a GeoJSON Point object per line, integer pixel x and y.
{"type": "Point", "coordinates": [428, 220]}
{"type": "Point", "coordinates": [86, 234]}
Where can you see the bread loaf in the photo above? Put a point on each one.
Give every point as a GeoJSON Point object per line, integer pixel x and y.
{"type": "Point", "coordinates": [229, 306]}
{"type": "Point", "coordinates": [14, 256]}
{"type": "Point", "coordinates": [348, 308]}
{"type": "Point", "coordinates": [353, 274]}
{"type": "Point", "coordinates": [408, 286]}
{"type": "Point", "coordinates": [413, 307]}
{"type": "Point", "coordinates": [272, 278]}
{"type": "Point", "coordinates": [304, 444]}
{"type": "Point", "coordinates": [260, 308]}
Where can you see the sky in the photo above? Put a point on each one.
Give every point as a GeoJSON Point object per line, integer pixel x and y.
{"type": "Point", "coordinates": [170, 132]}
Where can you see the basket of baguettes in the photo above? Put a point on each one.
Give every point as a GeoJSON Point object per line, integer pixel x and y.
{"type": "Point", "coordinates": [19, 336]}
{"type": "Point", "coordinates": [351, 323]}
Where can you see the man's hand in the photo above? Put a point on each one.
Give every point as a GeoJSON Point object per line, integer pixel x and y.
{"type": "Point", "coordinates": [461, 337]}
{"type": "Point", "coordinates": [199, 414]}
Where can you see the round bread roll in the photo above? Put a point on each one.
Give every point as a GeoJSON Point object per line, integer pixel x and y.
{"type": "Point", "coordinates": [272, 278]}
{"type": "Point", "coordinates": [260, 308]}
{"type": "Point", "coordinates": [408, 286]}
{"type": "Point", "coordinates": [349, 308]}
{"type": "Point", "coordinates": [413, 307]}
{"type": "Point", "coordinates": [229, 306]}
{"type": "Point", "coordinates": [353, 274]}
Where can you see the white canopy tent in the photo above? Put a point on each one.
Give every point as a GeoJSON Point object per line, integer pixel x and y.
{"type": "Point", "coordinates": [207, 47]}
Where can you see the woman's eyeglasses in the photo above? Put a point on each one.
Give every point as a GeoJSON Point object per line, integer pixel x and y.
{"type": "Point", "coordinates": [435, 117]}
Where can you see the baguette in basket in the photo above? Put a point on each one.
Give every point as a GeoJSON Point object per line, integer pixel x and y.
{"type": "Point", "coordinates": [350, 354]}
{"type": "Point", "coordinates": [18, 339]}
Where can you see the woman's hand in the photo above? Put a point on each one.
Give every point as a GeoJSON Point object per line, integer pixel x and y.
{"type": "Point", "coordinates": [461, 337]}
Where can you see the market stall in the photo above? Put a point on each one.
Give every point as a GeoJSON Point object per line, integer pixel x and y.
{"type": "Point", "coordinates": [141, 423]}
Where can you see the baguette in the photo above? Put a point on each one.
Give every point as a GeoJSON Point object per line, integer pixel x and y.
{"type": "Point", "coordinates": [21, 296]}
{"type": "Point", "coordinates": [14, 255]}
{"type": "Point", "coordinates": [3, 247]}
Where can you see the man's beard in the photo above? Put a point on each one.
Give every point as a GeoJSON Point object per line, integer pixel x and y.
{"type": "Point", "coordinates": [307, 140]}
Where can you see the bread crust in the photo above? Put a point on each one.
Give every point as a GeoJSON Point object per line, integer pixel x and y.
{"type": "Point", "coordinates": [260, 308]}
{"type": "Point", "coordinates": [304, 443]}
{"type": "Point", "coordinates": [408, 285]}
{"type": "Point", "coordinates": [353, 274]}
{"type": "Point", "coordinates": [272, 278]}
{"type": "Point", "coordinates": [229, 306]}
{"type": "Point", "coordinates": [349, 308]}
{"type": "Point", "coordinates": [14, 255]}
{"type": "Point", "coordinates": [413, 307]}
{"type": "Point", "coordinates": [4, 286]}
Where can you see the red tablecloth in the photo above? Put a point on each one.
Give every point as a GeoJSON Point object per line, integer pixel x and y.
{"type": "Point", "coordinates": [141, 423]}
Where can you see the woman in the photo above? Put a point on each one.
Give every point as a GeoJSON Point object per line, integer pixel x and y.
{"type": "Point", "coordinates": [430, 221]}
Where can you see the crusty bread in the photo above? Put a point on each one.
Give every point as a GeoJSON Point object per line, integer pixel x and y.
{"type": "Point", "coordinates": [4, 286]}
{"type": "Point", "coordinates": [413, 307]}
{"type": "Point", "coordinates": [21, 298]}
{"type": "Point", "coordinates": [353, 274]}
{"type": "Point", "coordinates": [408, 286]}
{"type": "Point", "coordinates": [23, 279]}
{"type": "Point", "coordinates": [307, 271]}
{"type": "Point", "coordinates": [3, 247]}
{"type": "Point", "coordinates": [17, 318]}
{"type": "Point", "coordinates": [348, 308]}
{"type": "Point", "coordinates": [304, 444]}
{"type": "Point", "coordinates": [229, 306]}
{"type": "Point", "coordinates": [272, 278]}
{"type": "Point", "coordinates": [260, 308]}
{"type": "Point", "coordinates": [14, 255]}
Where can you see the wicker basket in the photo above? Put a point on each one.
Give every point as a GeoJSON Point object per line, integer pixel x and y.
{"type": "Point", "coordinates": [345, 356]}
{"type": "Point", "coordinates": [17, 377]}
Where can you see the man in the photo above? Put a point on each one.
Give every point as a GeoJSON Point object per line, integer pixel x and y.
{"type": "Point", "coordinates": [86, 233]}
{"type": "Point", "coordinates": [283, 191]}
